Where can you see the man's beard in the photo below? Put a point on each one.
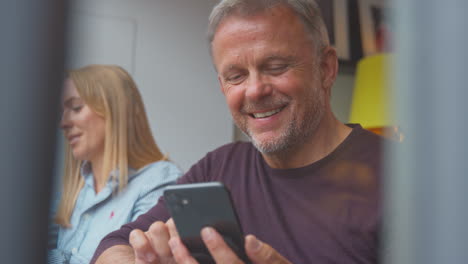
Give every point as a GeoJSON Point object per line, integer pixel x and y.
{"type": "Point", "coordinates": [296, 132]}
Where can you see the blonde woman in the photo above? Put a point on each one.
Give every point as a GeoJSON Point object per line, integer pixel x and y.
{"type": "Point", "coordinates": [114, 171]}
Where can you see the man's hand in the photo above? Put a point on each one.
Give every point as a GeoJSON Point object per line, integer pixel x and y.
{"type": "Point", "coordinates": [162, 245]}
{"type": "Point", "coordinates": [152, 247]}
{"type": "Point", "coordinates": [257, 251]}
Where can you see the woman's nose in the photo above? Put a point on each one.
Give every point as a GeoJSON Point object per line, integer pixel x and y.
{"type": "Point", "coordinates": [65, 121]}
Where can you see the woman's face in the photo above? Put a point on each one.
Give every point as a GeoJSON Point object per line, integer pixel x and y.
{"type": "Point", "coordinates": [83, 128]}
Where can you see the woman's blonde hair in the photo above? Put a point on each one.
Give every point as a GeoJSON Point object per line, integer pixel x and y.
{"type": "Point", "coordinates": [110, 92]}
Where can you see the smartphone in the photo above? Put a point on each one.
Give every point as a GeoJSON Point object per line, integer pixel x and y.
{"type": "Point", "coordinates": [195, 206]}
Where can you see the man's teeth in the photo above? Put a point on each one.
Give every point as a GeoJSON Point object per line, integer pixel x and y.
{"type": "Point", "coordinates": [266, 114]}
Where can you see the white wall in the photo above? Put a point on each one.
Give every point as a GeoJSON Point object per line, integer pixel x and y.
{"type": "Point", "coordinates": [341, 97]}
{"type": "Point", "coordinates": [162, 44]}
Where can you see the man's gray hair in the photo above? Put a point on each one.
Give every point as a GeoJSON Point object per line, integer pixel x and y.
{"type": "Point", "coordinates": [307, 10]}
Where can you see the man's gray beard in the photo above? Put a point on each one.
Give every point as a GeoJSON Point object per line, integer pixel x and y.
{"type": "Point", "coordinates": [295, 134]}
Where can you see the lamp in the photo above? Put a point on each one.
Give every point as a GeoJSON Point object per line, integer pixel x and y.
{"type": "Point", "coordinates": [371, 106]}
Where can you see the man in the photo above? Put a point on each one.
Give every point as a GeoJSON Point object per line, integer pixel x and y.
{"type": "Point", "coordinates": [306, 188]}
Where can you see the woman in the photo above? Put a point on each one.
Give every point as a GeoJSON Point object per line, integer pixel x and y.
{"type": "Point", "coordinates": [114, 171]}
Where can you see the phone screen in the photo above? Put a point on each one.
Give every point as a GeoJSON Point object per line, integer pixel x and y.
{"type": "Point", "coordinates": [194, 206]}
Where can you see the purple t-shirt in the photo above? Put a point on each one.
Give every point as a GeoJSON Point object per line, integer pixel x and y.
{"type": "Point", "coordinates": [326, 212]}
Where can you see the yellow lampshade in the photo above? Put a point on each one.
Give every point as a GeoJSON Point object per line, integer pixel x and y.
{"type": "Point", "coordinates": [371, 98]}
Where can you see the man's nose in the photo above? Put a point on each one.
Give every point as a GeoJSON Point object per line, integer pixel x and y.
{"type": "Point", "coordinates": [257, 87]}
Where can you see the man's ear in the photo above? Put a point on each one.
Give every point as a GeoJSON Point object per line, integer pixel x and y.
{"type": "Point", "coordinates": [328, 67]}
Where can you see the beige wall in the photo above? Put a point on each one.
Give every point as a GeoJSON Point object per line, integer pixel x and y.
{"type": "Point", "coordinates": [341, 96]}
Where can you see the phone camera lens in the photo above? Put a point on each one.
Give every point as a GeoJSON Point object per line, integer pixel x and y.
{"type": "Point", "coordinates": [172, 197]}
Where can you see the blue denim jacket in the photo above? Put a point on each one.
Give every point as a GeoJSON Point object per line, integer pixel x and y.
{"type": "Point", "coordinates": [96, 215]}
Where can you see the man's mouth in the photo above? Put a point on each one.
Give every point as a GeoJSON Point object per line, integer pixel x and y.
{"type": "Point", "coordinates": [267, 114]}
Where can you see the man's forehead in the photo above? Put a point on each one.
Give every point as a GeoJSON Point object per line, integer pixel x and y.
{"type": "Point", "coordinates": [278, 32]}
{"type": "Point", "coordinates": [278, 12]}
{"type": "Point", "coordinates": [279, 25]}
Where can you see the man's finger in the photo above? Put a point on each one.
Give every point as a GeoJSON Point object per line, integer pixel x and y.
{"type": "Point", "coordinates": [172, 228]}
{"type": "Point", "coordinates": [144, 252]}
{"type": "Point", "coordinates": [180, 252]}
{"type": "Point", "coordinates": [220, 251]}
{"type": "Point", "coordinates": [158, 235]}
{"type": "Point", "coordinates": [261, 253]}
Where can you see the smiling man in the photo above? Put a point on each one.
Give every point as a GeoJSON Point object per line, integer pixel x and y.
{"type": "Point", "coordinates": [307, 187]}
{"type": "Point", "coordinates": [277, 84]}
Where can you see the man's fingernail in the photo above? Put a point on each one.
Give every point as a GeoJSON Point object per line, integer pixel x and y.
{"type": "Point", "coordinates": [254, 244]}
{"type": "Point", "coordinates": [172, 243]}
{"type": "Point", "coordinates": [150, 257]}
{"type": "Point", "coordinates": [207, 233]}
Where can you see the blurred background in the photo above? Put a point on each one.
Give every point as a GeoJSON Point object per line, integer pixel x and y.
{"type": "Point", "coordinates": [163, 45]}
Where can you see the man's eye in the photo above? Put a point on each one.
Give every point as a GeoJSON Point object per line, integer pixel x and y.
{"type": "Point", "coordinates": [277, 68]}
{"type": "Point", "coordinates": [234, 78]}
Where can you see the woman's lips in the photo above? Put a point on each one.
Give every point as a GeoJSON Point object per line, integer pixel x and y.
{"type": "Point", "coordinates": [73, 139]}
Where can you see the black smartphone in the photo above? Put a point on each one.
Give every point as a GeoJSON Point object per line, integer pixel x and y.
{"type": "Point", "coordinates": [194, 206]}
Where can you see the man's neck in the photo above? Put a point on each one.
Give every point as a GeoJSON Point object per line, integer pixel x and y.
{"type": "Point", "coordinates": [328, 135]}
